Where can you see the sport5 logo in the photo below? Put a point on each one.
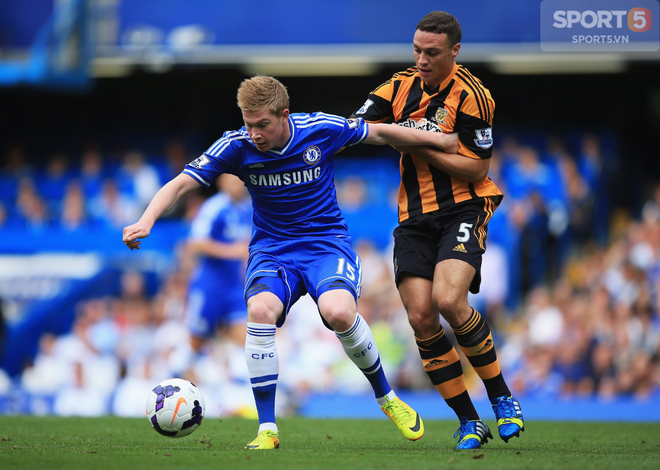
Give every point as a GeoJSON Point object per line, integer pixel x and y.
{"type": "Point", "coordinates": [638, 19]}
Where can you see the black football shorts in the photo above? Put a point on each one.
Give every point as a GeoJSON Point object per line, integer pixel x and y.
{"type": "Point", "coordinates": [456, 232]}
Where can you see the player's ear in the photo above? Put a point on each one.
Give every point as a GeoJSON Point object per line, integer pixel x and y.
{"type": "Point", "coordinates": [455, 49]}
{"type": "Point", "coordinates": [285, 114]}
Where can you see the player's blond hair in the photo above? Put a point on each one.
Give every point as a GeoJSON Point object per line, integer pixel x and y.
{"type": "Point", "coordinates": [262, 92]}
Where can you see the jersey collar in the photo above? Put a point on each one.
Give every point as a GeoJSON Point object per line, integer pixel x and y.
{"type": "Point", "coordinates": [443, 85]}
{"type": "Point", "coordinates": [283, 150]}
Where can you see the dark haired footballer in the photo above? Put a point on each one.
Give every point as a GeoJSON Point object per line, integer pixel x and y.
{"type": "Point", "coordinates": [445, 203]}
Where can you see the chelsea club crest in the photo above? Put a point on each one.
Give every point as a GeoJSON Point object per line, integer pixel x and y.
{"type": "Point", "coordinates": [312, 155]}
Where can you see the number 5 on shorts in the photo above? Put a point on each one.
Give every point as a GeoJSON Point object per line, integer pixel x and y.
{"type": "Point", "coordinates": [464, 230]}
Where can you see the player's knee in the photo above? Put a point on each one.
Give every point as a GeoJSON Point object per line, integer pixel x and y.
{"type": "Point", "coordinates": [423, 321]}
{"type": "Point", "coordinates": [450, 305]}
{"type": "Point", "coordinates": [340, 319]}
{"type": "Point", "coordinates": [338, 308]}
{"type": "Point", "coordinates": [263, 312]}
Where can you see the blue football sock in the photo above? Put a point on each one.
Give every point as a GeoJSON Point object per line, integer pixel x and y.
{"type": "Point", "coordinates": [263, 368]}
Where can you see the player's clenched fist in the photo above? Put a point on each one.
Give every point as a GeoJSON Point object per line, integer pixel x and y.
{"type": "Point", "coordinates": [133, 233]}
{"type": "Point", "coordinates": [162, 202]}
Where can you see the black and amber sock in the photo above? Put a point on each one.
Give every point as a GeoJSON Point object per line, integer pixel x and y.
{"type": "Point", "coordinates": [443, 366]}
{"type": "Point", "coordinates": [476, 341]}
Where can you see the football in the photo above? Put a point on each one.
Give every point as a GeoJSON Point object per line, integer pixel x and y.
{"type": "Point", "coordinates": [175, 408]}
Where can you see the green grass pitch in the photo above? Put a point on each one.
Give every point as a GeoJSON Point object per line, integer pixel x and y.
{"type": "Point", "coordinates": [28, 442]}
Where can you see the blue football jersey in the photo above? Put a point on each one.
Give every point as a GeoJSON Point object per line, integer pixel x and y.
{"type": "Point", "coordinates": [292, 188]}
{"type": "Point", "coordinates": [226, 221]}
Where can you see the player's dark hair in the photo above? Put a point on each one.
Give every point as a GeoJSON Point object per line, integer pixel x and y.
{"type": "Point", "coordinates": [439, 22]}
{"type": "Point", "coordinates": [262, 92]}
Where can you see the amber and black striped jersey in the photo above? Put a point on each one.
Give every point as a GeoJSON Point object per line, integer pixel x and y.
{"type": "Point", "coordinates": [460, 104]}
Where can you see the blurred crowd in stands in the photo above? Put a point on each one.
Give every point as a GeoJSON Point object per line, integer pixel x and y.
{"type": "Point", "coordinates": [69, 193]}
{"type": "Point", "coordinates": [571, 286]}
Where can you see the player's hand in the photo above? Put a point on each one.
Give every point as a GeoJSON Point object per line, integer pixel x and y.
{"type": "Point", "coordinates": [133, 233]}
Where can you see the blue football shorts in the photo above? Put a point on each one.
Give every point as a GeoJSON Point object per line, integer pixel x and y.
{"type": "Point", "coordinates": [209, 308]}
{"type": "Point", "coordinates": [292, 268]}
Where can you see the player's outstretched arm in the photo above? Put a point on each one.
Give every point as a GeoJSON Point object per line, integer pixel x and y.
{"type": "Point", "coordinates": [162, 202]}
{"type": "Point", "coordinates": [388, 134]}
{"type": "Point", "coordinates": [439, 149]}
{"type": "Point", "coordinates": [206, 246]}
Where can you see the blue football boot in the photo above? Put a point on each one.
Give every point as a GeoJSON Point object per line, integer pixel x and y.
{"type": "Point", "coordinates": [509, 417]}
{"type": "Point", "coordinates": [472, 434]}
